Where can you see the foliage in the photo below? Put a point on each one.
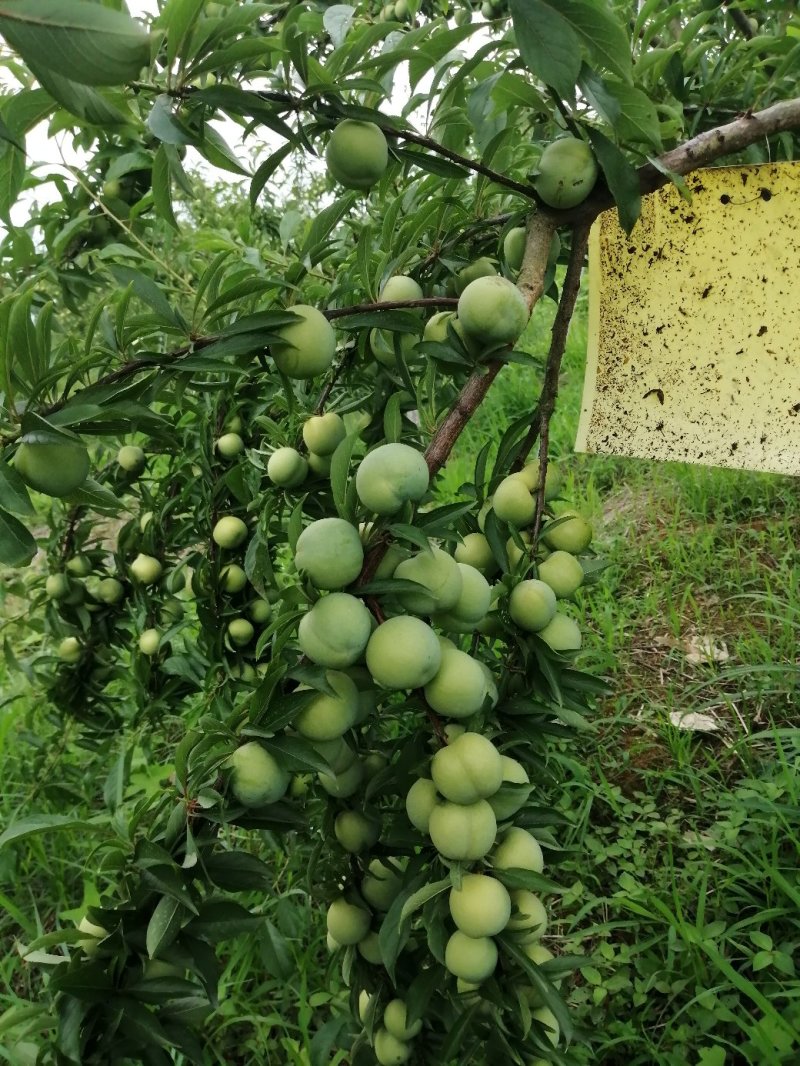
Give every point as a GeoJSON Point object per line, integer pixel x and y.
{"type": "Point", "coordinates": [134, 314]}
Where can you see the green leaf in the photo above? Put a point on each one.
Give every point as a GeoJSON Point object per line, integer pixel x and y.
{"type": "Point", "coordinates": [148, 292]}
{"type": "Point", "coordinates": [42, 823]}
{"type": "Point", "coordinates": [637, 121]}
{"type": "Point", "coordinates": [432, 164]}
{"type": "Point", "coordinates": [163, 124]}
{"type": "Point", "coordinates": [337, 20]}
{"type": "Point", "coordinates": [549, 46]}
{"type": "Point", "coordinates": [179, 17]}
{"type": "Point", "coordinates": [604, 37]}
{"type": "Point", "coordinates": [164, 925]}
{"type": "Point", "coordinates": [422, 895]}
{"type": "Point", "coordinates": [84, 42]}
{"type": "Point", "coordinates": [340, 471]}
{"type": "Point", "coordinates": [17, 546]}
{"type": "Point", "coordinates": [237, 870]}
{"type": "Point", "coordinates": [393, 418]}
{"type": "Point", "coordinates": [13, 491]}
{"type": "Point", "coordinates": [162, 192]}
{"type": "Point", "coordinates": [621, 176]}
{"type": "Point", "coordinates": [221, 920]}
{"type": "Point", "coordinates": [267, 169]}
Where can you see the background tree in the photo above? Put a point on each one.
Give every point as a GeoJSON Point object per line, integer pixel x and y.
{"type": "Point", "coordinates": [258, 594]}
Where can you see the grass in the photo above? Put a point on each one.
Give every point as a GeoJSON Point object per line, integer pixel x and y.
{"type": "Point", "coordinates": [679, 866]}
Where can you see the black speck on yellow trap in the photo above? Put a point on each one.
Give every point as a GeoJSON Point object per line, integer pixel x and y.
{"type": "Point", "coordinates": [694, 325]}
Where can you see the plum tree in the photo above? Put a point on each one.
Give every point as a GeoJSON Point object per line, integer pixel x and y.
{"type": "Point", "coordinates": [327, 673]}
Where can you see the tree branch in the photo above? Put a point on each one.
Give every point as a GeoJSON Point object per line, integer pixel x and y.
{"type": "Point", "coordinates": [700, 151]}
{"type": "Point", "coordinates": [558, 343]}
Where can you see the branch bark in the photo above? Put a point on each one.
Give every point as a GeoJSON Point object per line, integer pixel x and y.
{"type": "Point", "coordinates": [700, 151]}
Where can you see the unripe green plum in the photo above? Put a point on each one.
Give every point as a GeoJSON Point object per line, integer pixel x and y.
{"type": "Point", "coordinates": [328, 717]}
{"type": "Point", "coordinates": [323, 434]}
{"type": "Point", "coordinates": [244, 672]}
{"type": "Point", "coordinates": [149, 642]}
{"type": "Point", "coordinates": [567, 173]}
{"type": "Point", "coordinates": [472, 959]}
{"type": "Point", "coordinates": [400, 287]}
{"type": "Point", "coordinates": [346, 922]}
{"type": "Point", "coordinates": [421, 799]}
{"type": "Point", "coordinates": [337, 753]}
{"type": "Point", "coordinates": [145, 569]}
{"type": "Point", "coordinates": [370, 949]}
{"type": "Point", "coordinates": [513, 502]}
{"type": "Point", "coordinates": [391, 475]}
{"type": "Point", "coordinates": [458, 689]}
{"type": "Point", "coordinates": [355, 832]}
{"type": "Point", "coordinates": [381, 885]}
{"type": "Point", "coordinates": [335, 631]}
{"type": "Point", "coordinates": [229, 532]}
{"type": "Point", "coordinates": [79, 565]}
{"type": "Point", "coordinates": [467, 770]}
{"type": "Point", "coordinates": [287, 468]}
{"type": "Point", "coordinates": [109, 590]}
{"type": "Point", "coordinates": [403, 653]}
{"type": "Point", "coordinates": [307, 347]}
{"type": "Point", "coordinates": [240, 632]}
{"type": "Point", "coordinates": [230, 445]}
{"type": "Point", "coordinates": [171, 611]}
{"type": "Point", "coordinates": [55, 469]}
{"type": "Point", "coordinates": [395, 1019]}
{"type": "Point", "coordinates": [436, 327]}
{"type": "Point", "coordinates": [568, 532]}
{"type": "Point", "coordinates": [518, 850]}
{"type": "Point", "coordinates": [562, 633]}
{"type": "Point", "coordinates": [132, 459]}
{"type": "Point", "coordinates": [260, 611]}
{"type": "Point", "coordinates": [389, 1051]}
{"type": "Point", "coordinates": [234, 424]}
{"type": "Point", "coordinates": [402, 13]}
{"type": "Point", "coordinates": [345, 784]}
{"type": "Point", "coordinates": [319, 464]}
{"type": "Point", "coordinates": [529, 920]}
{"type": "Point", "coordinates": [481, 268]}
{"type": "Point", "coordinates": [487, 10]}
{"type": "Point", "coordinates": [368, 693]}
{"type": "Point", "coordinates": [374, 762]}
{"type": "Point", "coordinates": [57, 586]}
{"type": "Point", "coordinates": [463, 832]}
{"type": "Point", "coordinates": [439, 578]}
{"type": "Point", "coordinates": [493, 311]}
{"type": "Point", "coordinates": [545, 1017]}
{"type": "Point", "coordinates": [531, 475]}
{"type": "Point", "coordinates": [532, 605]}
{"type": "Point", "coordinates": [96, 933]}
{"type": "Point", "coordinates": [505, 806]}
{"type": "Point", "coordinates": [232, 578]}
{"type": "Point", "coordinates": [517, 555]}
{"type": "Point", "coordinates": [463, 17]}
{"type": "Point", "coordinates": [330, 552]}
{"type": "Point", "coordinates": [514, 247]}
{"type": "Point", "coordinates": [481, 906]}
{"type": "Point", "coordinates": [382, 346]}
{"type": "Point", "coordinates": [357, 154]}
{"type": "Point", "coordinates": [476, 551]}
{"type": "Point", "coordinates": [562, 572]}
{"type": "Point", "coordinates": [70, 650]}
{"type": "Point", "coordinates": [472, 604]}
{"type": "Point", "coordinates": [256, 777]}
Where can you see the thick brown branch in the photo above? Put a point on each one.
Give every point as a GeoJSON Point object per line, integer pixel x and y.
{"type": "Point", "coordinates": [700, 151]}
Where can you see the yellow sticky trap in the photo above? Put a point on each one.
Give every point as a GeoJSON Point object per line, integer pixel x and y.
{"type": "Point", "coordinates": [694, 325]}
